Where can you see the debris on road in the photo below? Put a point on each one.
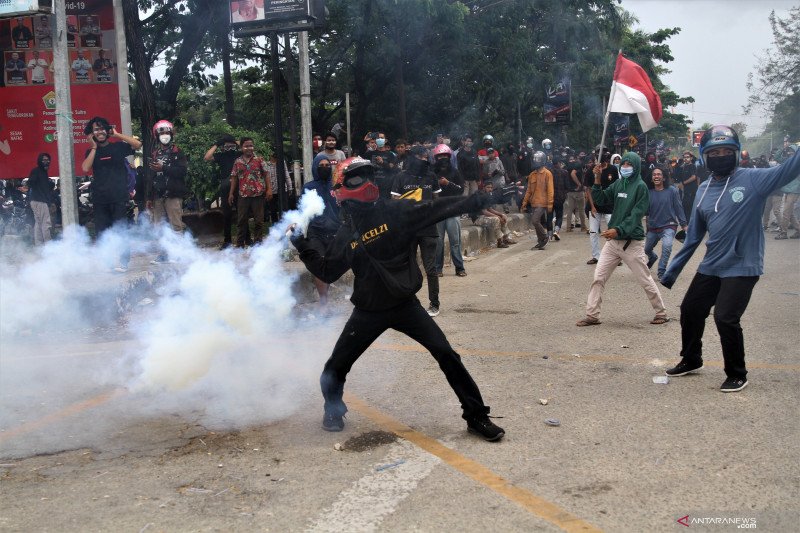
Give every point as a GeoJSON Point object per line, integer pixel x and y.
{"type": "Point", "coordinates": [390, 465]}
{"type": "Point", "coordinates": [661, 380]}
{"type": "Point", "coordinates": [338, 447]}
{"type": "Point", "coordinates": [553, 422]}
{"type": "Point", "coordinates": [544, 401]}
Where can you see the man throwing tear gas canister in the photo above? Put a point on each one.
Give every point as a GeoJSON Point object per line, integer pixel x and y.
{"type": "Point", "coordinates": [377, 240]}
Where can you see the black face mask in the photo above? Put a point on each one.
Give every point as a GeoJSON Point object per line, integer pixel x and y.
{"type": "Point", "coordinates": [723, 165]}
{"type": "Point", "coordinates": [442, 165]}
{"type": "Point", "coordinates": [324, 173]}
{"type": "Point", "coordinates": [418, 167]}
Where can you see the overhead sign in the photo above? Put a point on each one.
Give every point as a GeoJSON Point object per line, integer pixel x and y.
{"type": "Point", "coordinates": [10, 8]}
{"type": "Point", "coordinates": [27, 92]}
{"type": "Point", "coordinates": [557, 103]}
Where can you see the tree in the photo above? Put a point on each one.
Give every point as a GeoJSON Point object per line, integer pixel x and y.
{"type": "Point", "coordinates": [775, 87]}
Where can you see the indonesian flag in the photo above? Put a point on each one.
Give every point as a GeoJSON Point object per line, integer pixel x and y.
{"type": "Point", "coordinates": [633, 93]}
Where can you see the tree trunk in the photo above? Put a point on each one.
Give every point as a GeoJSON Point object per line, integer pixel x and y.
{"type": "Point", "coordinates": [141, 73]}
{"type": "Point", "coordinates": [230, 110]}
{"type": "Point", "coordinates": [290, 95]}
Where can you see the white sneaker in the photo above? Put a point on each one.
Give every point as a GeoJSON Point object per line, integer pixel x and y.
{"type": "Point", "coordinates": [433, 311]}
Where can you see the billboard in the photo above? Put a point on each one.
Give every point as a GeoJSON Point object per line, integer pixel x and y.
{"type": "Point", "coordinates": [27, 95]}
{"type": "Point", "coordinates": [620, 128]}
{"type": "Point", "coordinates": [9, 8]}
{"type": "Point", "coordinates": [697, 135]}
{"type": "Point", "coordinates": [257, 17]}
{"type": "Point", "coordinates": [558, 103]}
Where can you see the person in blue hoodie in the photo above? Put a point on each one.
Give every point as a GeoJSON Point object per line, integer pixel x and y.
{"type": "Point", "coordinates": [729, 210]}
{"type": "Point", "coordinates": [324, 226]}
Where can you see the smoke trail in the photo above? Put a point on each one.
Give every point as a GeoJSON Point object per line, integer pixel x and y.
{"type": "Point", "coordinates": [220, 344]}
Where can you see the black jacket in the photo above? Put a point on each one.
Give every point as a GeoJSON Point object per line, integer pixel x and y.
{"type": "Point", "coordinates": [171, 182]}
{"type": "Point", "coordinates": [378, 242]}
{"type": "Point", "coordinates": [40, 187]}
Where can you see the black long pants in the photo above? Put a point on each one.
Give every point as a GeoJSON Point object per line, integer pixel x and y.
{"type": "Point", "coordinates": [361, 330]}
{"type": "Point", "coordinates": [108, 215]}
{"type": "Point", "coordinates": [729, 297]}
{"type": "Point", "coordinates": [427, 249]}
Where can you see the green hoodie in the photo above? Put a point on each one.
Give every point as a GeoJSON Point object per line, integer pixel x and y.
{"type": "Point", "coordinates": [630, 200]}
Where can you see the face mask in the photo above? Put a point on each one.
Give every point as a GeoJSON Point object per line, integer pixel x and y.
{"type": "Point", "coordinates": [442, 164]}
{"type": "Point", "coordinates": [317, 143]}
{"type": "Point", "coordinates": [164, 139]}
{"type": "Point", "coordinates": [530, 145]}
{"type": "Point", "coordinates": [721, 166]}
{"type": "Point", "coordinates": [324, 173]}
{"type": "Point", "coordinates": [626, 172]}
{"type": "Point", "coordinates": [418, 167]}
{"type": "Point", "coordinates": [380, 142]}
{"type": "Point", "coordinates": [468, 144]}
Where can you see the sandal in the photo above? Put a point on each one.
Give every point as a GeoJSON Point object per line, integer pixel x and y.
{"type": "Point", "coordinates": [587, 322]}
{"type": "Point", "coordinates": [660, 320]}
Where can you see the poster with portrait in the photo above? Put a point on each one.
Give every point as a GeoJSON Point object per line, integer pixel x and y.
{"type": "Point", "coordinates": [27, 95]}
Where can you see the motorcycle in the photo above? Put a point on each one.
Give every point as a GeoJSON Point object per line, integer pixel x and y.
{"type": "Point", "coordinates": [16, 217]}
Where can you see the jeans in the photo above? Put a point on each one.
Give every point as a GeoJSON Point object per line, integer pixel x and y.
{"type": "Point", "coordinates": [594, 231]}
{"type": "Point", "coordinates": [427, 249]}
{"type": "Point", "coordinates": [729, 298]}
{"type": "Point", "coordinates": [453, 228]}
{"type": "Point", "coordinates": [666, 236]}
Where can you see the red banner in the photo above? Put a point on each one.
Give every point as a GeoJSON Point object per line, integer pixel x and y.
{"type": "Point", "coordinates": [27, 95]}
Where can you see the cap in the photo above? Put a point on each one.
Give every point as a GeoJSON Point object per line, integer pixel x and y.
{"type": "Point", "coordinates": [489, 150]}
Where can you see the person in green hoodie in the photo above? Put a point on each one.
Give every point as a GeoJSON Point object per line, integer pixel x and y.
{"type": "Point", "coordinates": [624, 237]}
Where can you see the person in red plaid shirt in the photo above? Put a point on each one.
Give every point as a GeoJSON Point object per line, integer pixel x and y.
{"type": "Point", "coordinates": [251, 175]}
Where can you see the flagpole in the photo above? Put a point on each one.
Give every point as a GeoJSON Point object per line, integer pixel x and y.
{"type": "Point", "coordinates": [605, 120]}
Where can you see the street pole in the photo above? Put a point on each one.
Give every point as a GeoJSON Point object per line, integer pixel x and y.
{"type": "Point", "coordinates": [347, 114]}
{"type": "Point", "coordinates": [280, 167]}
{"type": "Point", "coordinates": [64, 120]}
{"type": "Point", "coordinates": [122, 70]}
{"type": "Point", "coordinates": [287, 49]}
{"type": "Point", "coordinates": [305, 105]}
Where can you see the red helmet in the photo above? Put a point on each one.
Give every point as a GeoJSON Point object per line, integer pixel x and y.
{"type": "Point", "coordinates": [354, 180]}
{"type": "Point", "coordinates": [442, 149]}
{"type": "Point", "coordinates": [162, 126]}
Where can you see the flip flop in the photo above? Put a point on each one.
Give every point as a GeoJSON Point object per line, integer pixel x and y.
{"type": "Point", "coordinates": [587, 322]}
{"type": "Point", "coordinates": [660, 320]}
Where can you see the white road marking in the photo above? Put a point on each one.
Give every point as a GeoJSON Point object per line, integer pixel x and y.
{"type": "Point", "coordinates": [376, 495]}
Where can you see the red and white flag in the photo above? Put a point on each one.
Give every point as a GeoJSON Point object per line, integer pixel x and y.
{"type": "Point", "coordinates": [633, 93]}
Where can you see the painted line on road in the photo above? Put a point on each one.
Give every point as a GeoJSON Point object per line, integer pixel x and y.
{"type": "Point", "coordinates": [532, 503]}
{"type": "Point", "coordinates": [66, 412]}
{"type": "Point", "coordinates": [564, 357]}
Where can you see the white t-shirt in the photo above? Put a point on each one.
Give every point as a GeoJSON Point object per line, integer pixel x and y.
{"type": "Point", "coordinates": [81, 67]}
{"type": "Point", "coordinates": [37, 67]}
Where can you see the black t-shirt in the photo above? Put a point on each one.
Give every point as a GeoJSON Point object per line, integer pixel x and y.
{"type": "Point", "coordinates": [225, 159]}
{"type": "Point", "coordinates": [468, 164]}
{"type": "Point", "coordinates": [388, 159]}
{"type": "Point", "coordinates": [684, 172]}
{"type": "Point", "coordinates": [110, 176]}
{"type": "Point", "coordinates": [406, 185]}
{"type": "Point", "coordinates": [607, 176]}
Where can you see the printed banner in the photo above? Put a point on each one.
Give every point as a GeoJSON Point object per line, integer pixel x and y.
{"type": "Point", "coordinates": [27, 94]}
{"type": "Point", "coordinates": [620, 128]}
{"type": "Point", "coordinates": [557, 105]}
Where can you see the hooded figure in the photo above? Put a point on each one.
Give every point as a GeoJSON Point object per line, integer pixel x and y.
{"type": "Point", "coordinates": [40, 194]}
{"type": "Point", "coordinates": [624, 238]}
{"type": "Point", "coordinates": [328, 222]}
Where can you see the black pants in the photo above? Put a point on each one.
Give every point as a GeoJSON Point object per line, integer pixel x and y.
{"type": "Point", "coordinates": [729, 297]}
{"type": "Point", "coordinates": [427, 249]}
{"type": "Point", "coordinates": [108, 215]}
{"type": "Point", "coordinates": [361, 330]}
{"type": "Point", "coordinates": [688, 202]}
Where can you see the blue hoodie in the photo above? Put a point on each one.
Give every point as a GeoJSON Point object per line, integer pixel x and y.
{"type": "Point", "coordinates": [328, 222]}
{"type": "Point", "coordinates": [730, 211]}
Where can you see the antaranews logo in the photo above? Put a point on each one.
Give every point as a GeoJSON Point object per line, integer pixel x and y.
{"type": "Point", "coordinates": [737, 521]}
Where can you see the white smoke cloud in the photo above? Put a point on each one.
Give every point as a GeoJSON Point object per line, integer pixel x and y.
{"type": "Point", "coordinates": [220, 344]}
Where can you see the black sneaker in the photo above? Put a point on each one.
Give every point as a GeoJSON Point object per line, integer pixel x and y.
{"type": "Point", "coordinates": [733, 384]}
{"type": "Point", "coordinates": [331, 422]}
{"type": "Point", "coordinates": [686, 366]}
{"type": "Point", "coordinates": [484, 427]}
{"type": "Point", "coordinates": [433, 311]}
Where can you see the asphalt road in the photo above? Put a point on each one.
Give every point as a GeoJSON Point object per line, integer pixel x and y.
{"type": "Point", "coordinates": [629, 454]}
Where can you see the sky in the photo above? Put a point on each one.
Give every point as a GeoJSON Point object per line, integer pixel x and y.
{"type": "Point", "coordinates": [715, 51]}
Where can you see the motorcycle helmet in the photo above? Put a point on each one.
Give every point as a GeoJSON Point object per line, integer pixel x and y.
{"type": "Point", "coordinates": [442, 149]}
{"type": "Point", "coordinates": [538, 160]}
{"type": "Point", "coordinates": [162, 126]}
{"type": "Point", "coordinates": [719, 136]}
{"type": "Point", "coordinates": [354, 181]}
{"type": "Point", "coordinates": [489, 138]}
{"type": "Point", "coordinates": [547, 144]}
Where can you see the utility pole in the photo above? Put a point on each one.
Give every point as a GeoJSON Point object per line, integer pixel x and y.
{"type": "Point", "coordinates": [280, 167]}
{"type": "Point", "coordinates": [305, 104]}
{"type": "Point", "coordinates": [287, 49]}
{"type": "Point", "coordinates": [64, 120]}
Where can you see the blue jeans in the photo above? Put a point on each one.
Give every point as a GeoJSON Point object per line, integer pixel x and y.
{"type": "Point", "coordinates": [666, 236]}
{"type": "Point", "coordinates": [453, 228]}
